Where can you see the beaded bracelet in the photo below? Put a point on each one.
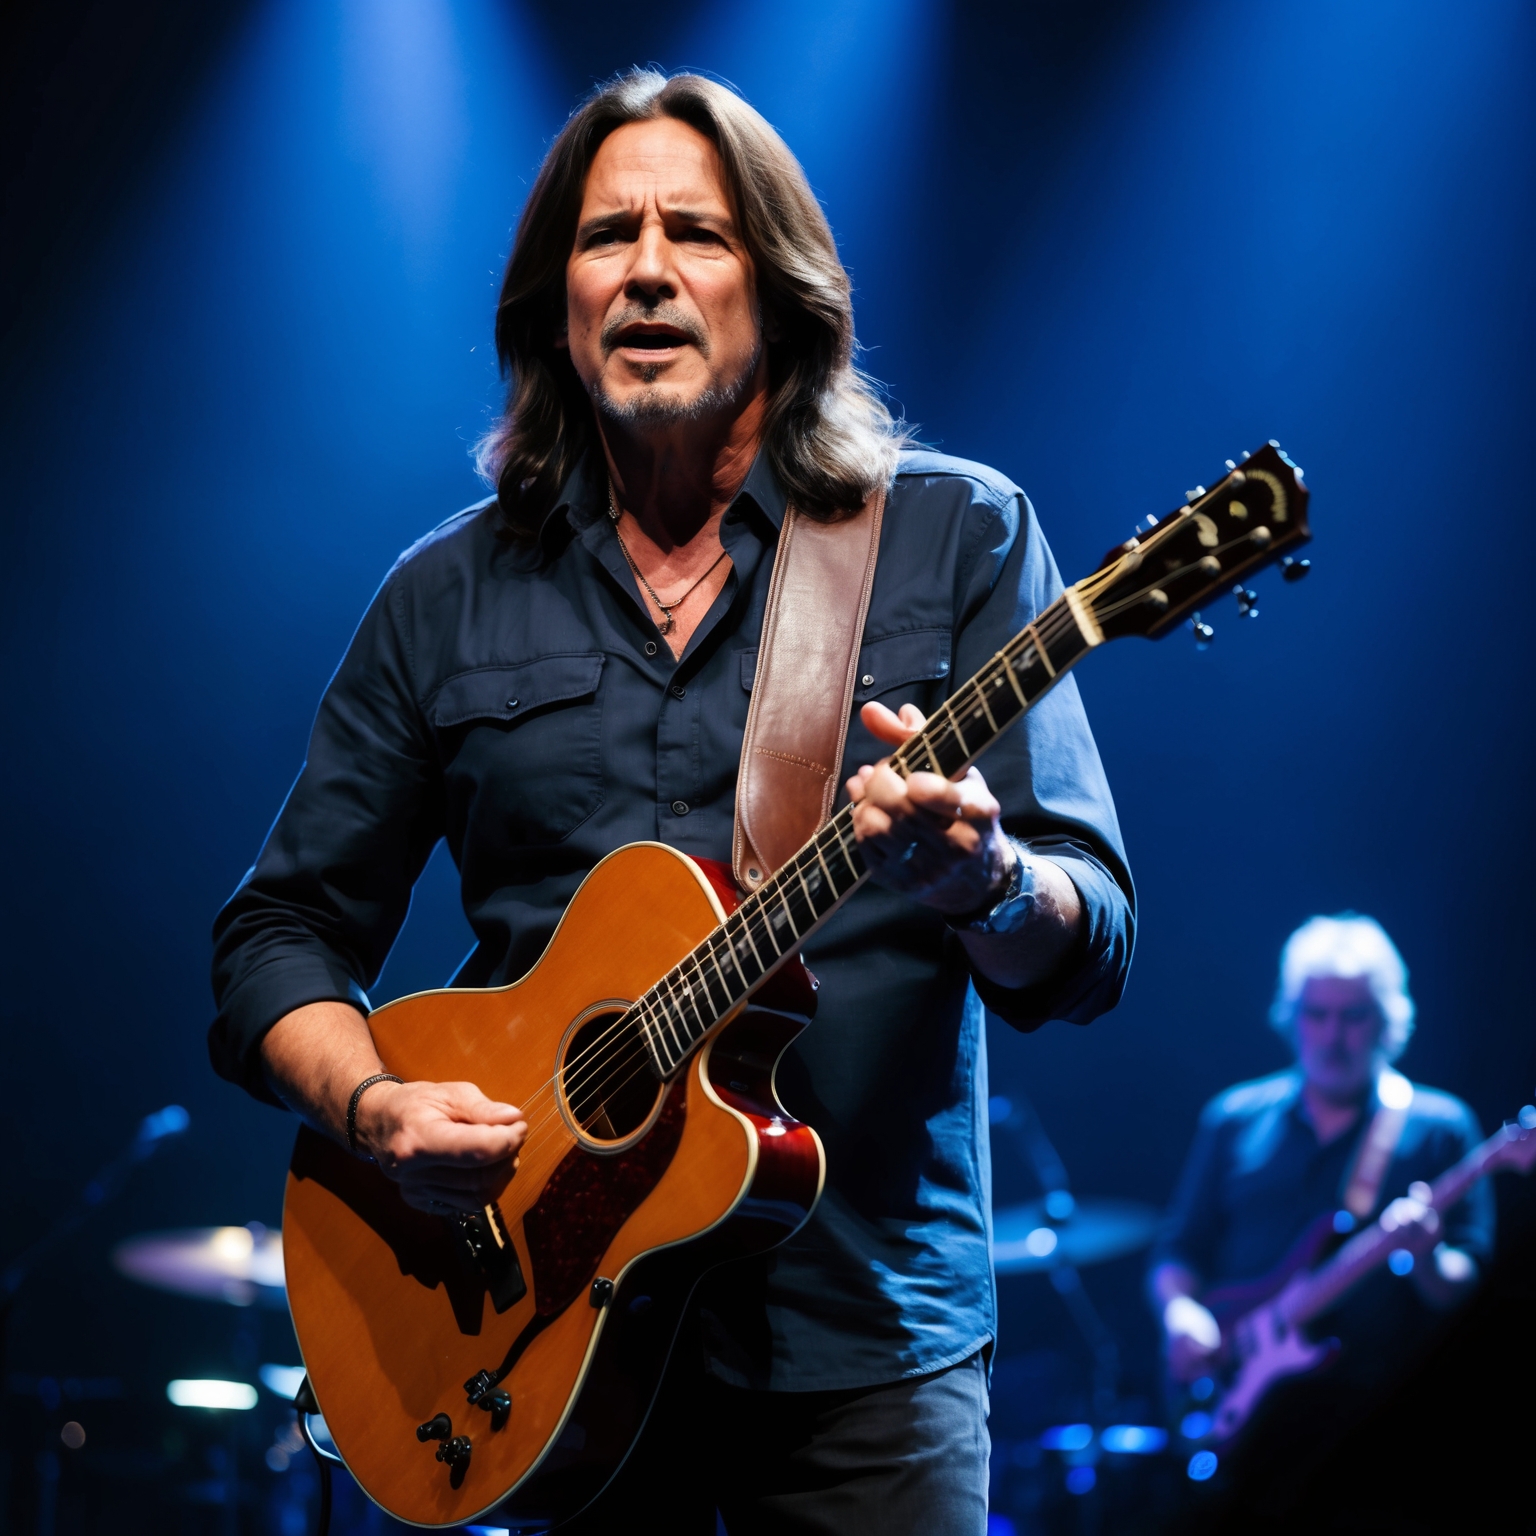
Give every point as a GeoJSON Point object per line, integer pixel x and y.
{"type": "Point", "coordinates": [357, 1093]}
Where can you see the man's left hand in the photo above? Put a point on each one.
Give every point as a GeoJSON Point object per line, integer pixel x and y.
{"type": "Point", "coordinates": [929, 837]}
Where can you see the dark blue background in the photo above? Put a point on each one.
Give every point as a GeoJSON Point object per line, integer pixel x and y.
{"type": "Point", "coordinates": [1101, 247]}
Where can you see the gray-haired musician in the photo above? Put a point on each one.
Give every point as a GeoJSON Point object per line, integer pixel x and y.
{"type": "Point", "coordinates": [1334, 1141]}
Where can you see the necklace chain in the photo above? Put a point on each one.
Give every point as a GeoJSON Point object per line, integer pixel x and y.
{"type": "Point", "coordinates": [665, 627]}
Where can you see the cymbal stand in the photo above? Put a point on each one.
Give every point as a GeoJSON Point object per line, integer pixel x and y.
{"type": "Point", "coordinates": [1022, 1122]}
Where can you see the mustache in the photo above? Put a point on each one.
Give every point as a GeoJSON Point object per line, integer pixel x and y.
{"type": "Point", "coordinates": [659, 314]}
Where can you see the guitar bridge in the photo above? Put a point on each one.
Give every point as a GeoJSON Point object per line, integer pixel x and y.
{"type": "Point", "coordinates": [487, 1244]}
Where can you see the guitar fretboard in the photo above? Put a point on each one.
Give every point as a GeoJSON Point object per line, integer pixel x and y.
{"type": "Point", "coordinates": [678, 1012]}
{"type": "Point", "coordinates": [1368, 1249]}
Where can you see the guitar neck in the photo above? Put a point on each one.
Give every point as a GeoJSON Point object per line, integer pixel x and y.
{"type": "Point", "coordinates": [678, 1012]}
{"type": "Point", "coordinates": [1371, 1248]}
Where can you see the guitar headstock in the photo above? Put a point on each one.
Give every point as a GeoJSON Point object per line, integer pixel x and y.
{"type": "Point", "coordinates": [1251, 518]}
{"type": "Point", "coordinates": [1517, 1151]}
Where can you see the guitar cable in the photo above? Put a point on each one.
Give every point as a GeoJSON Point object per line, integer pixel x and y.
{"type": "Point", "coordinates": [305, 1403]}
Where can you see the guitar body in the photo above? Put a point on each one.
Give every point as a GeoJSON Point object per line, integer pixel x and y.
{"type": "Point", "coordinates": [567, 1294]}
{"type": "Point", "coordinates": [1259, 1346]}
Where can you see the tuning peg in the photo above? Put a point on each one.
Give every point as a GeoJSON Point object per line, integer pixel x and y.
{"type": "Point", "coordinates": [1195, 494]}
{"type": "Point", "coordinates": [1294, 570]}
{"type": "Point", "coordinates": [1202, 632]}
{"type": "Point", "coordinates": [1230, 463]}
{"type": "Point", "coordinates": [1246, 455]}
{"type": "Point", "coordinates": [1247, 601]}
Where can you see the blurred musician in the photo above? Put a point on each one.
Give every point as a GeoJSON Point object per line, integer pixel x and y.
{"type": "Point", "coordinates": [1337, 1134]}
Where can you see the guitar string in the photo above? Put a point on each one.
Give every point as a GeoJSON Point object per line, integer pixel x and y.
{"type": "Point", "coordinates": [579, 1082]}
{"type": "Point", "coordinates": [756, 905]}
{"type": "Point", "coordinates": [641, 1014]}
{"type": "Point", "coordinates": [1049, 628]}
{"type": "Point", "coordinates": [637, 1058]}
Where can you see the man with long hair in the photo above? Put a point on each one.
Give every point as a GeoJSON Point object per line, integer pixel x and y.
{"type": "Point", "coordinates": [566, 667]}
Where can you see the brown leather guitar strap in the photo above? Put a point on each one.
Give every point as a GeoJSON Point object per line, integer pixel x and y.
{"type": "Point", "coordinates": [802, 694]}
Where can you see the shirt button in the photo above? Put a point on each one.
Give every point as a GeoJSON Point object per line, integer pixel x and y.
{"type": "Point", "coordinates": [650, 647]}
{"type": "Point", "coordinates": [679, 807]}
{"type": "Point", "coordinates": [677, 691]}
{"type": "Point", "coordinates": [868, 680]}
{"type": "Point", "coordinates": [511, 703]}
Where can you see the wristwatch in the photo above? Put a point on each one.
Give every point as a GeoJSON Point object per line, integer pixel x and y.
{"type": "Point", "coordinates": [1008, 911]}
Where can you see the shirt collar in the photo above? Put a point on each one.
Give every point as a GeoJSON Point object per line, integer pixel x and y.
{"type": "Point", "coordinates": [584, 496]}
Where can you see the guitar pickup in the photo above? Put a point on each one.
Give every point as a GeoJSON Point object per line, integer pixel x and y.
{"type": "Point", "coordinates": [487, 1244]}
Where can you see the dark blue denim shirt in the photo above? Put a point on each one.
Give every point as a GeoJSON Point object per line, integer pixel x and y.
{"type": "Point", "coordinates": [518, 701]}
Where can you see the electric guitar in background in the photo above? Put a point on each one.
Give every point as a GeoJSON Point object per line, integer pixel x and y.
{"type": "Point", "coordinates": [1263, 1322]}
{"type": "Point", "coordinates": [507, 1360]}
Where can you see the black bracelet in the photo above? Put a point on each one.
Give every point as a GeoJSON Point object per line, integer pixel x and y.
{"type": "Point", "coordinates": [357, 1093]}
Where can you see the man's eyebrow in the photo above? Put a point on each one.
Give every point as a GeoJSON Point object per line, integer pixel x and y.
{"type": "Point", "coordinates": [697, 216]}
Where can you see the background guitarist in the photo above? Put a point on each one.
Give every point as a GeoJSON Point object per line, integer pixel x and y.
{"type": "Point", "coordinates": [565, 668]}
{"type": "Point", "coordinates": [1335, 1140]}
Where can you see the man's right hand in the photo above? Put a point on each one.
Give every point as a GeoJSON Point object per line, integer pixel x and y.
{"type": "Point", "coordinates": [1193, 1337]}
{"type": "Point", "coordinates": [446, 1145]}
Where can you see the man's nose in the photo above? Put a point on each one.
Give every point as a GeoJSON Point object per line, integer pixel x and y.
{"type": "Point", "coordinates": [650, 277]}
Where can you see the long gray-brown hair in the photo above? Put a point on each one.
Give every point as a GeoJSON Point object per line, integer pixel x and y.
{"type": "Point", "coordinates": [828, 434]}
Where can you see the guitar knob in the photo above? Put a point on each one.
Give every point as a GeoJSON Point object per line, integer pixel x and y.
{"type": "Point", "coordinates": [436, 1428]}
{"type": "Point", "coordinates": [499, 1406]}
{"type": "Point", "coordinates": [455, 1452]}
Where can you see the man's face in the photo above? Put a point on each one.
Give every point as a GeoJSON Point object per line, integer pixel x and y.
{"type": "Point", "coordinates": [1338, 1029]}
{"type": "Point", "coordinates": [662, 319]}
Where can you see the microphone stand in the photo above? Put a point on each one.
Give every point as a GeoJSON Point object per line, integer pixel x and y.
{"type": "Point", "coordinates": [153, 1132]}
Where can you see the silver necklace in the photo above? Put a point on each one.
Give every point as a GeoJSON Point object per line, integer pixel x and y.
{"type": "Point", "coordinates": [665, 627]}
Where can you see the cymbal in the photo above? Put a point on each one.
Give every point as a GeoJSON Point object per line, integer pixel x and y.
{"type": "Point", "coordinates": [1027, 1240]}
{"type": "Point", "coordinates": [238, 1265]}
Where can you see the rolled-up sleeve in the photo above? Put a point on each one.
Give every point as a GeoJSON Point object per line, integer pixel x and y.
{"type": "Point", "coordinates": [313, 920]}
{"type": "Point", "coordinates": [1046, 773]}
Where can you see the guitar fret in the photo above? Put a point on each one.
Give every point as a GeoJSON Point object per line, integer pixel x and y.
{"type": "Point", "coordinates": [742, 915]}
{"type": "Point", "coordinates": [725, 987]}
{"type": "Point", "coordinates": [694, 988]}
{"type": "Point", "coordinates": [981, 698]}
{"type": "Point", "coordinates": [1013, 680]}
{"type": "Point", "coordinates": [1033, 632]}
{"type": "Point", "coordinates": [666, 1054]}
{"type": "Point", "coordinates": [651, 1043]}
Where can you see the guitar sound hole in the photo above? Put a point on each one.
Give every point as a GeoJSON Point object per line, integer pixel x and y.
{"type": "Point", "coordinates": [607, 1076]}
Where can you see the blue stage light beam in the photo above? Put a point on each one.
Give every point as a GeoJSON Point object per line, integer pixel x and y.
{"type": "Point", "coordinates": [853, 86]}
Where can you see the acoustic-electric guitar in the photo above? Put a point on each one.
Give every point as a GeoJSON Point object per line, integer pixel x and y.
{"type": "Point", "coordinates": [507, 1360]}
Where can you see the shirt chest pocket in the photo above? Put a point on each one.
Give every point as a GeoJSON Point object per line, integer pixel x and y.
{"type": "Point", "coordinates": [521, 747]}
{"type": "Point", "coordinates": [886, 665]}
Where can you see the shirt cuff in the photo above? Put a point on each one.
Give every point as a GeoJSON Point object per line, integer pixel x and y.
{"type": "Point", "coordinates": [268, 994]}
{"type": "Point", "coordinates": [1090, 979]}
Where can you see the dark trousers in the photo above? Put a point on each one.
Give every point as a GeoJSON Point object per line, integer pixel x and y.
{"type": "Point", "coordinates": [905, 1459]}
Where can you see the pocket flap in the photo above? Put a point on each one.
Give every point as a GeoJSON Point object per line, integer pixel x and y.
{"type": "Point", "coordinates": [918, 656]}
{"type": "Point", "coordinates": [504, 693]}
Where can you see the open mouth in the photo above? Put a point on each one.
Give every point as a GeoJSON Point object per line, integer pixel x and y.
{"type": "Point", "coordinates": [651, 338]}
